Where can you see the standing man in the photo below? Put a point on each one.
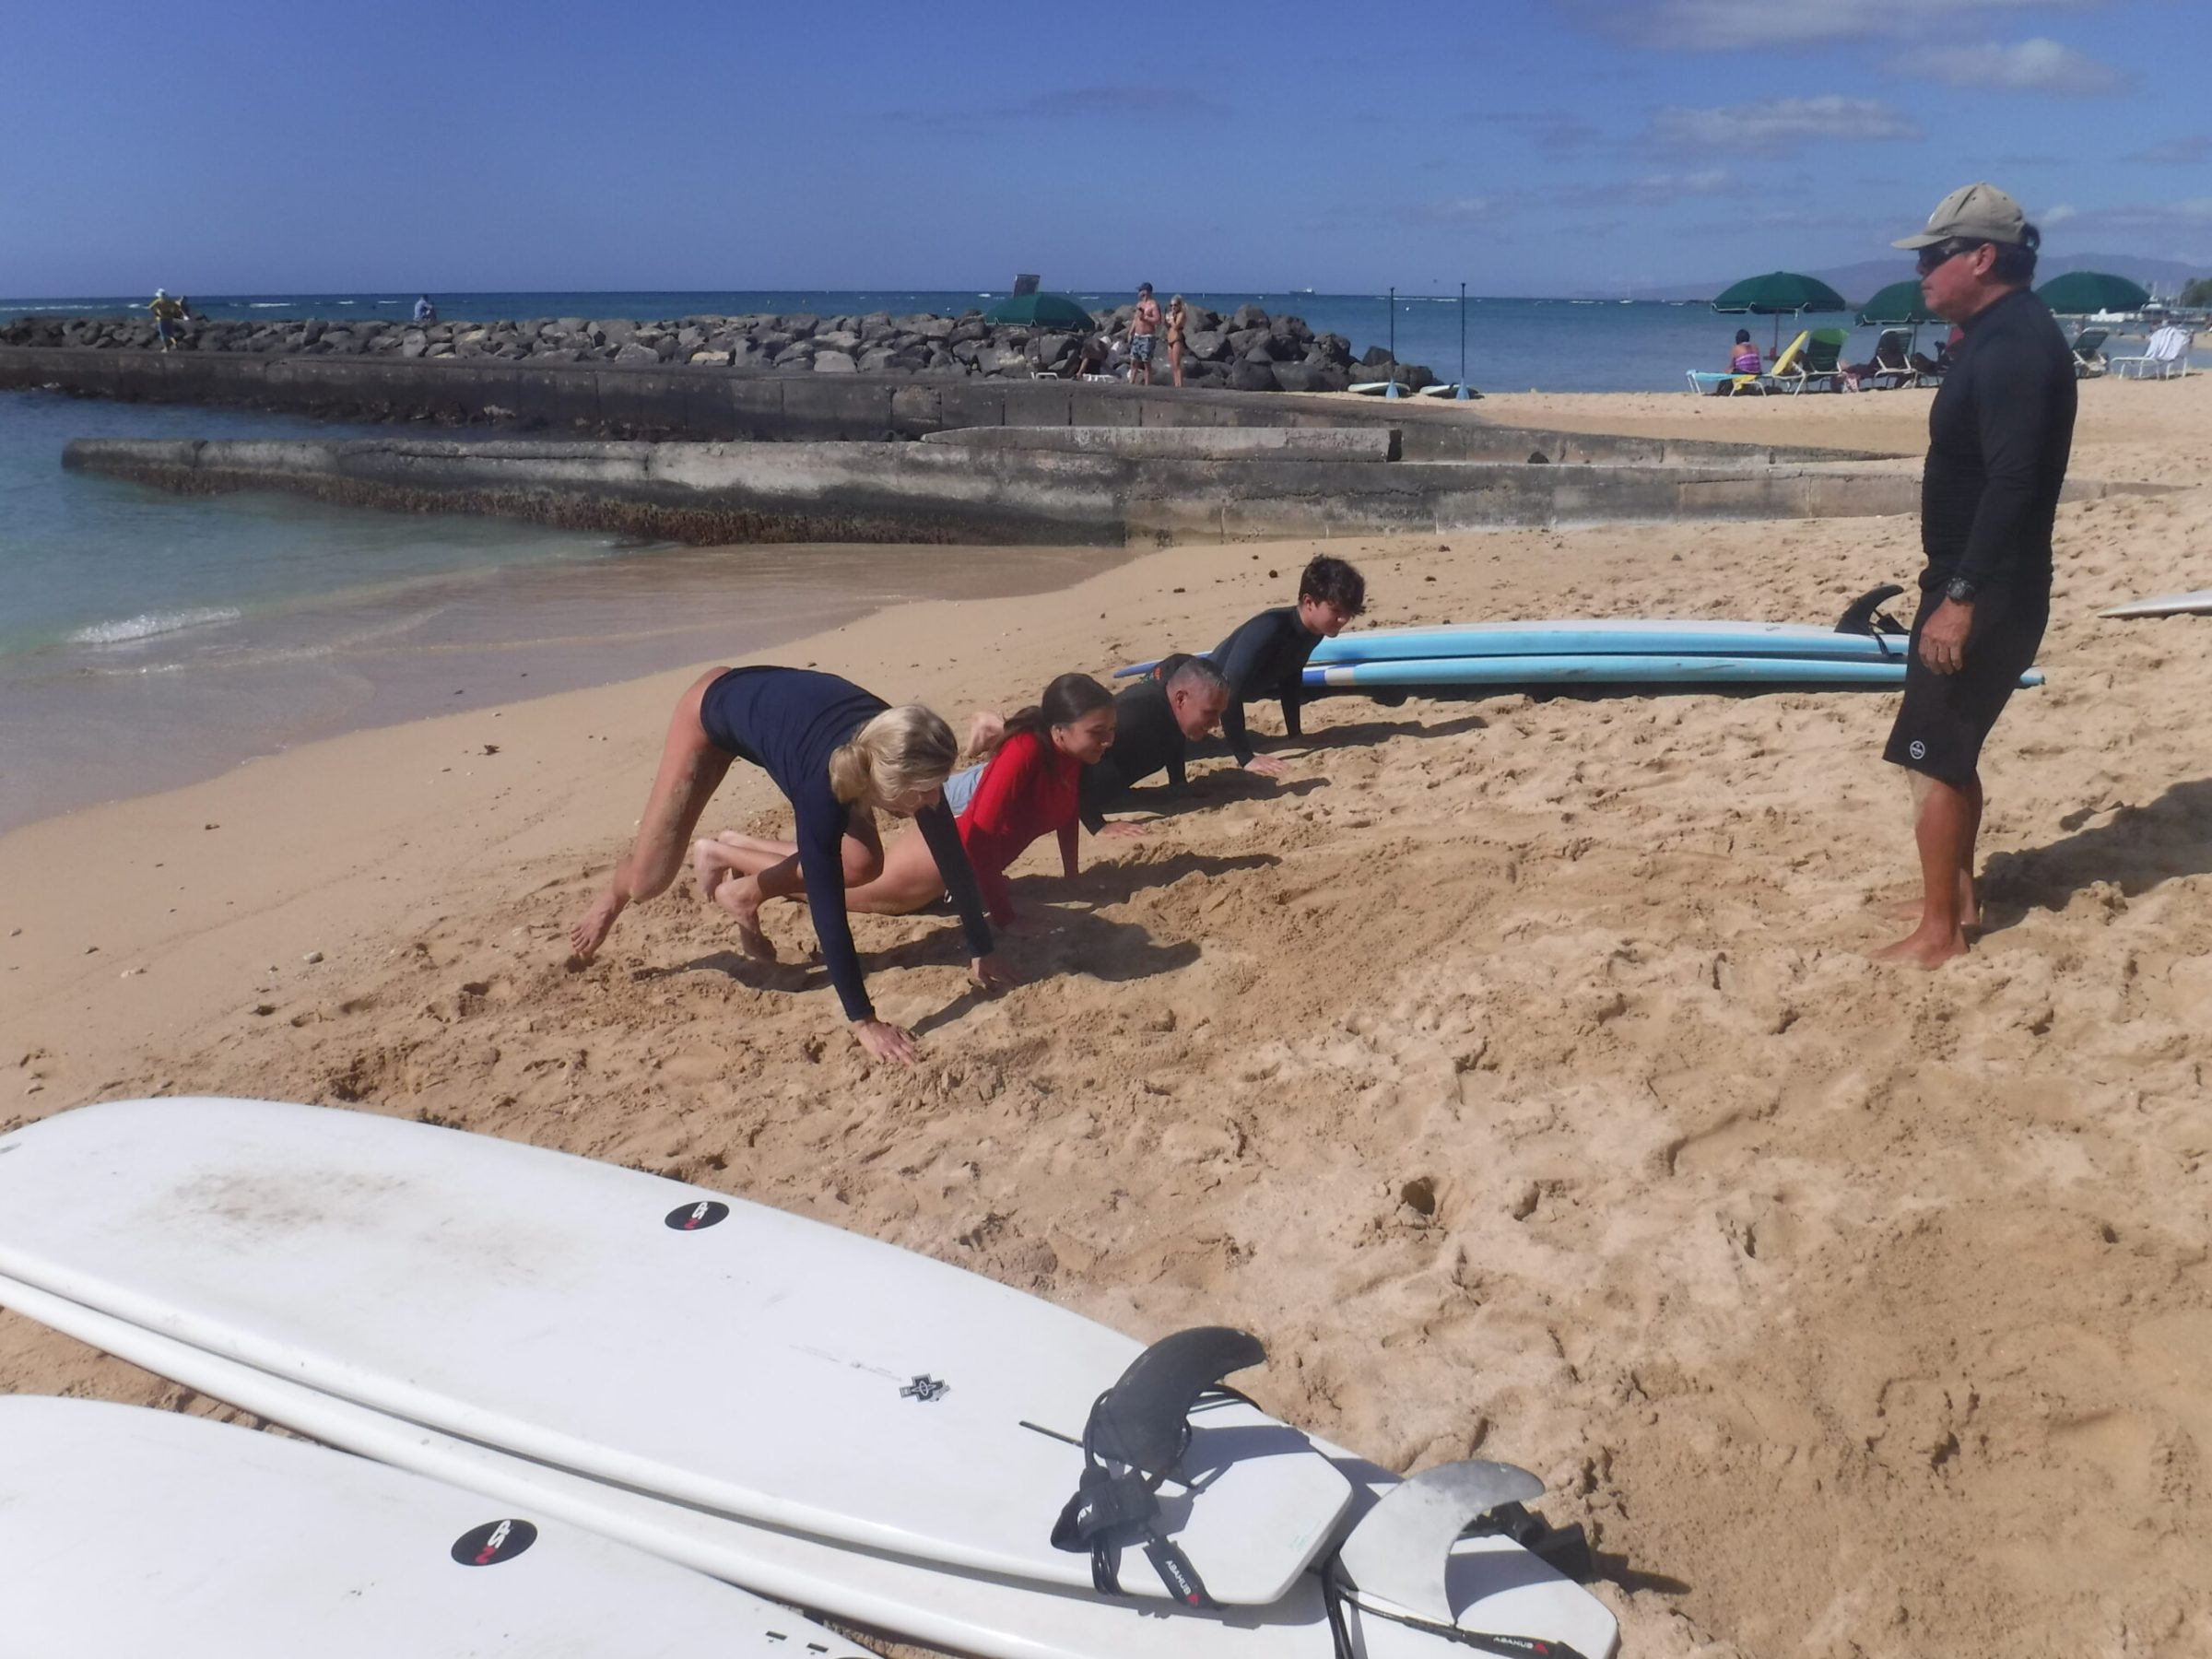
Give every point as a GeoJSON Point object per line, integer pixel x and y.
{"type": "Point", "coordinates": [168, 314]}
{"type": "Point", "coordinates": [1999, 435]}
{"type": "Point", "coordinates": [1144, 332]}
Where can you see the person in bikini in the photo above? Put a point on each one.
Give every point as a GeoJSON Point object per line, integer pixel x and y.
{"type": "Point", "coordinates": [1175, 332]}
{"type": "Point", "coordinates": [1024, 786]}
{"type": "Point", "coordinates": [839, 754]}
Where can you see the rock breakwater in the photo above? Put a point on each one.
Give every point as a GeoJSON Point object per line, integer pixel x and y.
{"type": "Point", "coordinates": [1244, 350]}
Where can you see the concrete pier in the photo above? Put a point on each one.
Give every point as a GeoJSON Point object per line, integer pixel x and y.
{"type": "Point", "coordinates": [625, 401]}
{"type": "Point", "coordinates": [711, 493]}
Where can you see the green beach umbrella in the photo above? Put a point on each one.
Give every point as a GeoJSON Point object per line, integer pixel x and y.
{"type": "Point", "coordinates": [1779, 294]}
{"type": "Point", "coordinates": [2078, 293]}
{"type": "Point", "coordinates": [1041, 311]}
{"type": "Point", "coordinates": [1900, 303]}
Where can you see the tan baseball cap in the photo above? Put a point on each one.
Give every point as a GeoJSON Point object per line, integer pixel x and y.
{"type": "Point", "coordinates": [1980, 211]}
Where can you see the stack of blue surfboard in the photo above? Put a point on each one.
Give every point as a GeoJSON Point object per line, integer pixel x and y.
{"type": "Point", "coordinates": [1686, 654]}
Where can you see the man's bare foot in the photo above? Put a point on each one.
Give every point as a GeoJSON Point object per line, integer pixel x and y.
{"type": "Point", "coordinates": [589, 931]}
{"type": "Point", "coordinates": [741, 897]}
{"type": "Point", "coordinates": [708, 865]}
{"type": "Point", "coordinates": [1922, 948]}
{"type": "Point", "coordinates": [1908, 910]}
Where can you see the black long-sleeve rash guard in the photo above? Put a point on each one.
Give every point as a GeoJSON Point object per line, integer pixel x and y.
{"type": "Point", "coordinates": [1998, 439]}
{"type": "Point", "coordinates": [1146, 738]}
{"type": "Point", "coordinates": [789, 721]}
{"type": "Point", "coordinates": [1266, 657]}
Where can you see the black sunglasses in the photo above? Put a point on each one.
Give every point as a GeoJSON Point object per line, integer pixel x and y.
{"type": "Point", "coordinates": [1942, 254]}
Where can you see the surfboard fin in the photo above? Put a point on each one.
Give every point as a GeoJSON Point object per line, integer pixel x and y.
{"type": "Point", "coordinates": [1143, 1420]}
{"type": "Point", "coordinates": [1865, 616]}
{"type": "Point", "coordinates": [1142, 1423]}
{"type": "Point", "coordinates": [1400, 1549]}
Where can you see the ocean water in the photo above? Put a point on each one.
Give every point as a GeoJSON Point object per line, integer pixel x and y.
{"type": "Point", "coordinates": [1511, 345]}
{"type": "Point", "coordinates": [149, 640]}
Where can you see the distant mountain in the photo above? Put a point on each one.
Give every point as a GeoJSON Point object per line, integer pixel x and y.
{"type": "Point", "coordinates": [1859, 281]}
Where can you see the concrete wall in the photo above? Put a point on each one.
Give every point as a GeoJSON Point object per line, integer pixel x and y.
{"type": "Point", "coordinates": [715, 493]}
{"type": "Point", "coordinates": [704, 404]}
{"type": "Point", "coordinates": [1187, 443]}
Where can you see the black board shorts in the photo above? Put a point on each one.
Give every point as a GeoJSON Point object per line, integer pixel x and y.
{"type": "Point", "coordinates": [1946, 717]}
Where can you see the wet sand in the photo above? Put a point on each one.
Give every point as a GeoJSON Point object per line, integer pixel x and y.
{"type": "Point", "coordinates": [1513, 1067]}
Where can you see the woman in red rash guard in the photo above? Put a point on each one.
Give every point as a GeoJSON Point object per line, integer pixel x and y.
{"type": "Point", "coordinates": [1024, 787]}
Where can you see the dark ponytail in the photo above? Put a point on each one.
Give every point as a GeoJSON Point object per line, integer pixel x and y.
{"type": "Point", "coordinates": [1064, 701]}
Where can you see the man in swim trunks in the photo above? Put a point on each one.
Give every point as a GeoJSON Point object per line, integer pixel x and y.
{"type": "Point", "coordinates": [1999, 435]}
{"type": "Point", "coordinates": [1144, 332]}
{"type": "Point", "coordinates": [1156, 721]}
{"type": "Point", "coordinates": [1266, 656]}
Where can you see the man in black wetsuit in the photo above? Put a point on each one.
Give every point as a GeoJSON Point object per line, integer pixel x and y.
{"type": "Point", "coordinates": [1156, 721]}
{"type": "Point", "coordinates": [1266, 656]}
{"type": "Point", "coordinates": [1999, 435]}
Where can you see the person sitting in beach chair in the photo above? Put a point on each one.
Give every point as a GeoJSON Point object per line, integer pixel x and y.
{"type": "Point", "coordinates": [1156, 721]}
{"type": "Point", "coordinates": [1886, 369]}
{"type": "Point", "coordinates": [1024, 786]}
{"type": "Point", "coordinates": [2089, 353]}
{"type": "Point", "coordinates": [1267, 656]}
{"type": "Point", "coordinates": [840, 755]}
{"type": "Point", "coordinates": [1743, 373]}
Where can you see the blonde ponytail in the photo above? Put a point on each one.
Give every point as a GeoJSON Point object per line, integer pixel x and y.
{"type": "Point", "coordinates": [899, 752]}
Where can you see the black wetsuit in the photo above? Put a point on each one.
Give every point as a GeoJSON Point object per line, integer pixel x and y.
{"type": "Point", "coordinates": [1999, 435]}
{"type": "Point", "coordinates": [1266, 657]}
{"type": "Point", "coordinates": [1146, 738]}
{"type": "Point", "coordinates": [788, 721]}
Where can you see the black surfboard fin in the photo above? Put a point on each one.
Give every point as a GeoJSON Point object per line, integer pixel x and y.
{"type": "Point", "coordinates": [1863, 615]}
{"type": "Point", "coordinates": [1143, 1420]}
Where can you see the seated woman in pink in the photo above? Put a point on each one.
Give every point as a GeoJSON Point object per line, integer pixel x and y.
{"type": "Point", "coordinates": [1743, 357]}
{"type": "Point", "coordinates": [1024, 787]}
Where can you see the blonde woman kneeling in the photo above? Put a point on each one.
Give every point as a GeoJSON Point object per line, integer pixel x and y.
{"type": "Point", "coordinates": [830, 747]}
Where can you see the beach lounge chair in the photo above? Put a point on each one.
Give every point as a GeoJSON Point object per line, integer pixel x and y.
{"type": "Point", "coordinates": [1714, 382]}
{"type": "Point", "coordinates": [2165, 355]}
{"type": "Point", "coordinates": [1890, 367]}
{"type": "Point", "coordinates": [1819, 366]}
{"type": "Point", "coordinates": [2089, 353]}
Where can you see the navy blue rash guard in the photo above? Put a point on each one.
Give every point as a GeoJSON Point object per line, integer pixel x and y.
{"type": "Point", "coordinates": [788, 721]}
{"type": "Point", "coordinates": [1999, 434]}
{"type": "Point", "coordinates": [1266, 657]}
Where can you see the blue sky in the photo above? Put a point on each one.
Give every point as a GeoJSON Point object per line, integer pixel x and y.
{"type": "Point", "coordinates": [1524, 146]}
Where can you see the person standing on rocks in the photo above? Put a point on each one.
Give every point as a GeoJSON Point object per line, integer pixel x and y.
{"type": "Point", "coordinates": [424, 311]}
{"type": "Point", "coordinates": [2000, 432]}
{"type": "Point", "coordinates": [168, 314]}
{"type": "Point", "coordinates": [1175, 330]}
{"type": "Point", "coordinates": [1144, 332]}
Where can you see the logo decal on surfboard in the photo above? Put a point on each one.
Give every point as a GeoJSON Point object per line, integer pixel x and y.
{"type": "Point", "coordinates": [926, 1388]}
{"type": "Point", "coordinates": [690, 1218]}
{"type": "Point", "coordinates": [495, 1541]}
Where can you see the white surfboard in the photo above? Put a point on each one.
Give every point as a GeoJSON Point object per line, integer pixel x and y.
{"type": "Point", "coordinates": [1489, 1585]}
{"type": "Point", "coordinates": [2198, 604]}
{"type": "Point", "coordinates": [636, 1330]}
{"type": "Point", "coordinates": [129, 1531]}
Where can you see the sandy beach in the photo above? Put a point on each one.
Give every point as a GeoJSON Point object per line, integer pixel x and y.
{"type": "Point", "coordinates": [1513, 1067]}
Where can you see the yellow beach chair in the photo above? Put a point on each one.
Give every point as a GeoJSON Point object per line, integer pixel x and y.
{"type": "Point", "coordinates": [1713, 383]}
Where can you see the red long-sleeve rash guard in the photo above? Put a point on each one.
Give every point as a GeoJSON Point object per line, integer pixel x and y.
{"type": "Point", "coordinates": [1028, 790]}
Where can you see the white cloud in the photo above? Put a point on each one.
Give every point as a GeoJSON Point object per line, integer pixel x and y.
{"type": "Point", "coordinates": [1738, 25]}
{"type": "Point", "coordinates": [1663, 187]}
{"type": "Point", "coordinates": [2059, 214]}
{"type": "Point", "coordinates": [1454, 211]}
{"type": "Point", "coordinates": [2193, 214]}
{"type": "Point", "coordinates": [1770, 125]}
{"type": "Point", "coordinates": [2176, 152]}
{"type": "Point", "coordinates": [2037, 65]}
